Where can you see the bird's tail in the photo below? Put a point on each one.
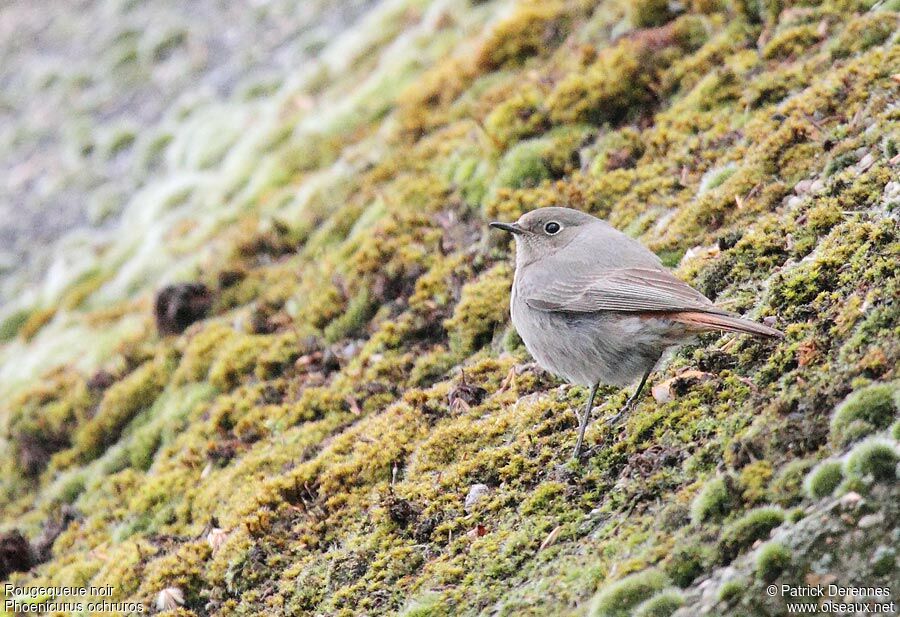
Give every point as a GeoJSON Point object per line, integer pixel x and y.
{"type": "Point", "coordinates": [728, 323]}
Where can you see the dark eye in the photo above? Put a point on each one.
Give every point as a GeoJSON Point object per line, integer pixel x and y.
{"type": "Point", "coordinates": [552, 227]}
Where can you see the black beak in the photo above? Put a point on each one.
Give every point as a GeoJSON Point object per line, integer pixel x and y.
{"type": "Point", "coordinates": [512, 228]}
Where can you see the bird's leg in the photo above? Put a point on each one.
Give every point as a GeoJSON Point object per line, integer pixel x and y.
{"type": "Point", "coordinates": [583, 420]}
{"type": "Point", "coordinates": [631, 399]}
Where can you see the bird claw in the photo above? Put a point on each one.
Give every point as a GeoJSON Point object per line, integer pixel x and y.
{"type": "Point", "coordinates": [616, 418]}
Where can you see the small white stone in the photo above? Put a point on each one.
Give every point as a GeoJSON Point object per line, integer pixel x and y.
{"type": "Point", "coordinates": [477, 492]}
{"type": "Point", "coordinates": [870, 520]}
{"type": "Point", "coordinates": [851, 500]}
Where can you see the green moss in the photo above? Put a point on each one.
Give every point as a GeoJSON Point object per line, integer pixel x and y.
{"type": "Point", "coordinates": [686, 563]}
{"type": "Point", "coordinates": [874, 406]}
{"type": "Point", "coordinates": [616, 84]}
{"type": "Point", "coordinates": [520, 116]}
{"type": "Point", "coordinates": [791, 42]}
{"type": "Point", "coordinates": [36, 320]}
{"type": "Point", "coordinates": [873, 458]}
{"type": "Point", "coordinates": [426, 605]}
{"type": "Point", "coordinates": [754, 479]}
{"type": "Point", "coordinates": [616, 150]}
{"type": "Point", "coordinates": [823, 479]}
{"type": "Point", "coordinates": [648, 13]}
{"type": "Point", "coordinates": [359, 310]}
{"type": "Point", "coordinates": [200, 351]}
{"type": "Point", "coordinates": [144, 446]}
{"type": "Point", "coordinates": [715, 178]}
{"type": "Point", "coordinates": [119, 141]}
{"type": "Point", "coordinates": [772, 559]}
{"type": "Point", "coordinates": [237, 358]}
{"type": "Point", "coordinates": [731, 590]}
{"type": "Point", "coordinates": [12, 324]}
{"type": "Point", "coordinates": [534, 28]}
{"type": "Point", "coordinates": [532, 161]}
{"type": "Point", "coordinates": [662, 604]}
{"type": "Point", "coordinates": [884, 561]}
{"type": "Point", "coordinates": [787, 487]}
{"type": "Point", "coordinates": [714, 501]}
{"type": "Point", "coordinates": [743, 532]}
{"type": "Point", "coordinates": [483, 306]}
{"type": "Point", "coordinates": [617, 599]}
{"type": "Point", "coordinates": [863, 32]}
{"type": "Point", "coordinates": [122, 402]}
{"type": "Point", "coordinates": [523, 165]}
{"type": "Point", "coordinates": [338, 473]}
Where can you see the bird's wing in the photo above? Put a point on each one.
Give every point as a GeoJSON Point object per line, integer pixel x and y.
{"type": "Point", "coordinates": [624, 289]}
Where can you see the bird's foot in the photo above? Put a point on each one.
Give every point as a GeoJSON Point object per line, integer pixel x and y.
{"type": "Point", "coordinates": [626, 408]}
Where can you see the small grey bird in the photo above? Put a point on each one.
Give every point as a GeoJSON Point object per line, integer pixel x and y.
{"type": "Point", "coordinates": [595, 306]}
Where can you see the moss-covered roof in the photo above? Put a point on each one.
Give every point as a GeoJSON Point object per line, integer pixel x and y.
{"type": "Point", "coordinates": [297, 452]}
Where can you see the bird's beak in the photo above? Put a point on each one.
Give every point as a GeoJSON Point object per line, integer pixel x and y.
{"type": "Point", "coordinates": [512, 228]}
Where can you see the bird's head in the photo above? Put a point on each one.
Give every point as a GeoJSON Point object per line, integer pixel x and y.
{"type": "Point", "coordinates": [542, 232]}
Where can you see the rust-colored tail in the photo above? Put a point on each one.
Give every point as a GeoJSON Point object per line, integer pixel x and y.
{"type": "Point", "coordinates": [713, 321]}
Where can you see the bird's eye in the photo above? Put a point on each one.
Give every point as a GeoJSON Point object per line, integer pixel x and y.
{"type": "Point", "coordinates": [552, 228]}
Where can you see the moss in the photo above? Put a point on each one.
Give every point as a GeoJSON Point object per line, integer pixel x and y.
{"type": "Point", "coordinates": [534, 28]}
{"type": "Point", "coordinates": [12, 324]}
{"type": "Point", "coordinates": [772, 559]}
{"type": "Point", "coordinates": [873, 458]}
{"type": "Point", "coordinates": [731, 590]}
{"type": "Point", "coordinates": [119, 141]}
{"type": "Point", "coordinates": [426, 605]}
{"type": "Point", "coordinates": [524, 165]}
{"type": "Point", "coordinates": [520, 116]}
{"type": "Point", "coordinates": [715, 178]}
{"type": "Point", "coordinates": [617, 599]}
{"type": "Point", "coordinates": [787, 487]}
{"type": "Point", "coordinates": [144, 446]}
{"type": "Point", "coordinates": [616, 150]}
{"type": "Point", "coordinates": [200, 352]}
{"type": "Point", "coordinates": [36, 320]}
{"type": "Point", "coordinates": [44, 419]}
{"type": "Point", "coordinates": [482, 307]}
{"type": "Point", "coordinates": [714, 501]}
{"type": "Point", "coordinates": [686, 563]}
{"type": "Point", "coordinates": [791, 42]}
{"type": "Point", "coordinates": [884, 561]}
{"type": "Point", "coordinates": [863, 32]}
{"type": "Point", "coordinates": [754, 479]}
{"type": "Point", "coordinates": [338, 473]}
{"type": "Point", "coordinates": [823, 479]}
{"type": "Point", "coordinates": [661, 604]}
{"type": "Point", "coordinates": [743, 532]}
{"type": "Point", "coordinates": [874, 406]}
{"type": "Point", "coordinates": [237, 358]}
{"type": "Point", "coordinates": [533, 161]}
{"type": "Point", "coordinates": [120, 404]}
{"type": "Point", "coordinates": [358, 312]}
{"type": "Point", "coordinates": [648, 13]}
{"type": "Point", "coordinates": [616, 84]}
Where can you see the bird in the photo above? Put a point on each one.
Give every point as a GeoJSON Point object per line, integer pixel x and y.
{"type": "Point", "coordinates": [594, 306]}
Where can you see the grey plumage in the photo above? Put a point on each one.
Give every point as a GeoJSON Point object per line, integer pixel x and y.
{"type": "Point", "coordinates": [595, 306]}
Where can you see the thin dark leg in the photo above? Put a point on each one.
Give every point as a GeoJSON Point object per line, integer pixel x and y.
{"type": "Point", "coordinates": [583, 420]}
{"type": "Point", "coordinates": [631, 399]}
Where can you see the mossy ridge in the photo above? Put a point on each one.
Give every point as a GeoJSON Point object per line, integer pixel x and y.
{"type": "Point", "coordinates": [341, 482]}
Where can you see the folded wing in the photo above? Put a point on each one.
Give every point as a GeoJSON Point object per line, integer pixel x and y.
{"type": "Point", "coordinates": [626, 290]}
